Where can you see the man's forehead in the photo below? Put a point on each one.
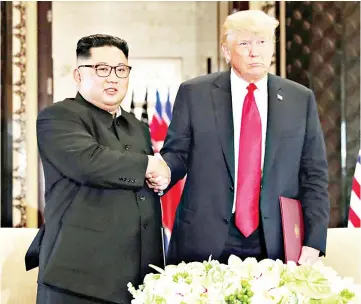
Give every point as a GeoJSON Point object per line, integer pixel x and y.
{"type": "Point", "coordinates": [244, 34]}
{"type": "Point", "coordinates": [109, 54]}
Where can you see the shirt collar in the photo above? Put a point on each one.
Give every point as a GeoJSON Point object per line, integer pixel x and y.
{"type": "Point", "coordinates": [240, 82]}
{"type": "Point", "coordinates": [118, 112]}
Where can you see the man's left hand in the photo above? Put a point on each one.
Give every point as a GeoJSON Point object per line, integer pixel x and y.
{"type": "Point", "coordinates": [308, 256]}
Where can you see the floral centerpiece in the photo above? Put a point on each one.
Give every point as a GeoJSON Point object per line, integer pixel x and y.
{"type": "Point", "coordinates": [245, 281]}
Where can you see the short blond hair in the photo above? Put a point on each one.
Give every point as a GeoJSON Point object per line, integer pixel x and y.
{"type": "Point", "coordinates": [254, 21]}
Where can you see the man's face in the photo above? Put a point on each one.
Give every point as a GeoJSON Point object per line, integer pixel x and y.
{"type": "Point", "coordinates": [105, 92]}
{"type": "Point", "coordinates": [249, 54]}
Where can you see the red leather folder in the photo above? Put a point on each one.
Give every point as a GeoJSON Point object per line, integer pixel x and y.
{"type": "Point", "coordinates": [293, 228]}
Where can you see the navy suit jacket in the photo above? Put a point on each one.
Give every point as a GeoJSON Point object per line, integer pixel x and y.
{"type": "Point", "coordinates": [200, 143]}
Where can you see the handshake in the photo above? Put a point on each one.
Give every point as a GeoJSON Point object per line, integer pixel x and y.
{"type": "Point", "coordinates": [158, 173]}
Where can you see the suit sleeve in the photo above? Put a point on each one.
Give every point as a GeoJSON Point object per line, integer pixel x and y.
{"type": "Point", "coordinates": [64, 141]}
{"type": "Point", "coordinates": [177, 144]}
{"type": "Point", "coordinates": [314, 181]}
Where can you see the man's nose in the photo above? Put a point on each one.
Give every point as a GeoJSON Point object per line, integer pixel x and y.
{"type": "Point", "coordinates": [253, 49]}
{"type": "Point", "coordinates": [112, 76]}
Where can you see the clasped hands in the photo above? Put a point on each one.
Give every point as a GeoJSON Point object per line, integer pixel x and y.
{"type": "Point", "coordinates": [158, 173]}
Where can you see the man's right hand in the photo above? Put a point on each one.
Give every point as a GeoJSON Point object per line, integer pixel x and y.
{"type": "Point", "coordinates": [158, 173]}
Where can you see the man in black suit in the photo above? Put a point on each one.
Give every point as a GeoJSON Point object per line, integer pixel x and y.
{"type": "Point", "coordinates": [245, 137]}
{"type": "Point", "coordinates": [102, 222]}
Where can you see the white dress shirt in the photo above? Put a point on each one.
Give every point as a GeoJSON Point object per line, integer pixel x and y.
{"type": "Point", "coordinates": [118, 112]}
{"type": "Point", "coordinates": [239, 92]}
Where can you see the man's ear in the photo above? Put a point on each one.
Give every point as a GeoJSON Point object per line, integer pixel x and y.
{"type": "Point", "coordinates": [226, 52]}
{"type": "Point", "coordinates": [77, 76]}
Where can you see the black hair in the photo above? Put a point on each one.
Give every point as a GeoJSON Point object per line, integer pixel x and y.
{"type": "Point", "coordinates": [99, 40]}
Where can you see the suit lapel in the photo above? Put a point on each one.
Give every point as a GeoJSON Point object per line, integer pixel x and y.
{"type": "Point", "coordinates": [222, 103]}
{"type": "Point", "coordinates": [276, 101]}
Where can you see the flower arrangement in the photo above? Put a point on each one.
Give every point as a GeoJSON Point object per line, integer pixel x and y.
{"type": "Point", "coordinates": [245, 282]}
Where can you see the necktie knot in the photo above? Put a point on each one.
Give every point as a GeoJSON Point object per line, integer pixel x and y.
{"type": "Point", "coordinates": [251, 87]}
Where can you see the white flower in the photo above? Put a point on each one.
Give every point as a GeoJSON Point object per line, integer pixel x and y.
{"type": "Point", "coordinates": [262, 282]}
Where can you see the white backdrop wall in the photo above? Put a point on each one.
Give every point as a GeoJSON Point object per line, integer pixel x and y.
{"type": "Point", "coordinates": [177, 36]}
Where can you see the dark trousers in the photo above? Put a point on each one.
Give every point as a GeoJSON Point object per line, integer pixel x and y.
{"type": "Point", "coordinates": [52, 295]}
{"type": "Point", "coordinates": [238, 245]}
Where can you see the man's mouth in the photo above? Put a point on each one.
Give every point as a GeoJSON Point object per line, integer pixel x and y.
{"type": "Point", "coordinates": [111, 91]}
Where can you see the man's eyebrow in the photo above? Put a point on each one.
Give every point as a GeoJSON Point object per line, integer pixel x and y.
{"type": "Point", "coordinates": [119, 64]}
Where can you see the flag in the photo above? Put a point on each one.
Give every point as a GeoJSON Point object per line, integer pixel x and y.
{"type": "Point", "coordinates": [168, 110]}
{"type": "Point", "coordinates": [144, 117]}
{"type": "Point", "coordinates": [170, 200]}
{"type": "Point", "coordinates": [354, 215]}
{"type": "Point", "coordinates": [158, 126]}
{"type": "Point", "coordinates": [132, 107]}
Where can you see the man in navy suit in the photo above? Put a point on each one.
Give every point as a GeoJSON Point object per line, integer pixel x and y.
{"type": "Point", "coordinates": [245, 137]}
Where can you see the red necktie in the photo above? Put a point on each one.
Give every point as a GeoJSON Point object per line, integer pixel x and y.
{"type": "Point", "coordinates": [249, 166]}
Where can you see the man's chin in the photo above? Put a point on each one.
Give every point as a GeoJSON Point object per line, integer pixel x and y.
{"type": "Point", "coordinates": [112, 101]}
{"type": "Point", "coordinates": [258, 73]}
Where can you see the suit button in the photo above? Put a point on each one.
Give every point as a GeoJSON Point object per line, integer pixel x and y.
{"type": "Point", "coordinates": [142, 198]}
{"type": "Point", "coordinates": [117, 123]}
{"type": "Point", "coordinates": [231, 188]}
{"type": "Point", "coordinates": [226, 221]}
{"type": "Point", "coordinates": [145, 226]}
{"type": "Point", "coordinates": [126, 147]}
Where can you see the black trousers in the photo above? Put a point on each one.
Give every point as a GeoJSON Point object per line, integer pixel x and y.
{"type": "Point", "coordinates": [238, 245]}
{"type": "Point", "coordinates": [52, 295]}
